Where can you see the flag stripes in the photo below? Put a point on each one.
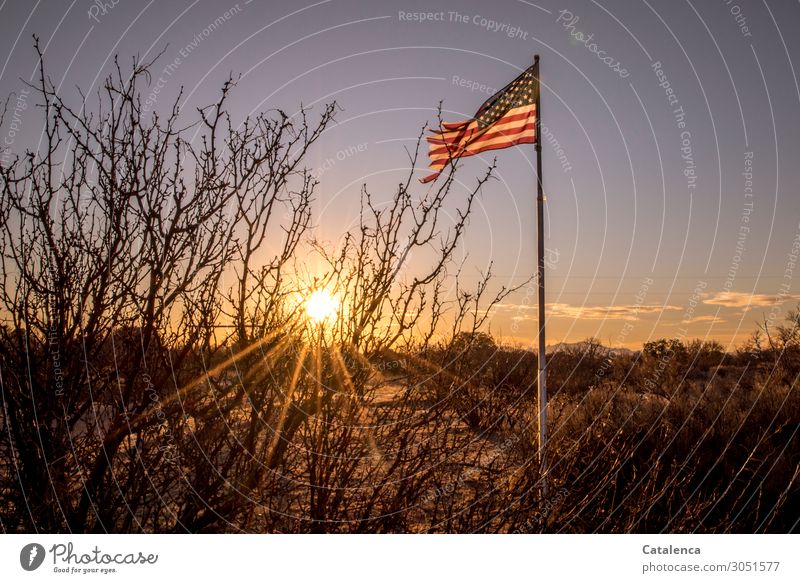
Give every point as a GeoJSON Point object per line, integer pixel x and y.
{"type": "Point", "coordinates": [506, 119]}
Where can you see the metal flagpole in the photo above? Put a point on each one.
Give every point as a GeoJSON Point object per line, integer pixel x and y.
{"type": "Point", "coordinates": [541, 376]}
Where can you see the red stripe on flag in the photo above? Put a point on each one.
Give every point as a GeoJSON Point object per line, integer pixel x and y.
{"type": "Point", "coordinates": [490, 134]}
{"type": "Point", "coordinates": [529, 139]}
{"type": "Point", "coordinates": [460, 139]}
{"type": "Point", "coordinates": [445, 137]}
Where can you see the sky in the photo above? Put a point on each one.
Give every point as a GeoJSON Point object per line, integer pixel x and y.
{"type": "Point", "coordinates": [669, 140]}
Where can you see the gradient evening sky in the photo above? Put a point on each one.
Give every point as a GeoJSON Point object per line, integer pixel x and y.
{"type": "Point", "coordinates": [631, 243]}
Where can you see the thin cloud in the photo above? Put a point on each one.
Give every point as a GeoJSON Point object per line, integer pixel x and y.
{"type": "Point", "coordinates": [622, 312]}
{"type": "Point", "coordinates": [745, 300]}
{"type": "Point", "coordinates": [711, 319]}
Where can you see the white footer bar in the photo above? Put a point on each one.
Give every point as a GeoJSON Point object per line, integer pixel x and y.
{"type": "Point", "coordinates": [399, 558]}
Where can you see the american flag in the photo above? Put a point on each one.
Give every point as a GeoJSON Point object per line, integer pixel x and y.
{"type": "Point", "coordinates": [506, 119]}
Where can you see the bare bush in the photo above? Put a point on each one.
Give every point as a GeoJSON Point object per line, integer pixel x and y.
{"type": "Point", "coordinates": [116, 237]}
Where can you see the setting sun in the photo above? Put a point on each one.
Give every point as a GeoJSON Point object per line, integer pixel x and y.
{"type": "Point", "coordinates": [320, 306]}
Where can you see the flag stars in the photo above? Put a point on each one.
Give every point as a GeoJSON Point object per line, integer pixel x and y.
{"type": "Point", "coordinates": [520, 93]}
{"type": "Point", "coordinates": [491, 135]}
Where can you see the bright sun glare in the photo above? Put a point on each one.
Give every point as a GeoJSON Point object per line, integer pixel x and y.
{"type": "Point", "coordinates": [320, 306]}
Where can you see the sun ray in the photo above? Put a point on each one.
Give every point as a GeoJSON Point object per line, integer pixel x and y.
{"type": "Point", "coordinates": [318, 373]}
{"type": "Point", "coordinates": [363, 360]}
{"type": "Point", "coordinates": [274, 352]}
{"type": "Point", "coordinates": [347, 378]}
{"type": "Point", "coordinates": [181, 392]}
{"type": "Point", "coordinates": [287, 403]}
{"type": "Point", "coordinates": [433, 368]}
